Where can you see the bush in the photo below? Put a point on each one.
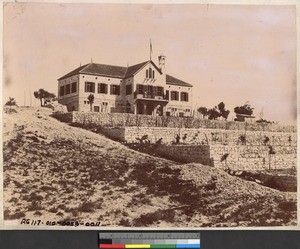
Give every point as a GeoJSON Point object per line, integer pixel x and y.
{"type": "Point", "coordinates": [87, 207]}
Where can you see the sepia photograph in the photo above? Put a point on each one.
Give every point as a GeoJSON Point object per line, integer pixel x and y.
{"type": "Point", "coordinates": [149, 115]}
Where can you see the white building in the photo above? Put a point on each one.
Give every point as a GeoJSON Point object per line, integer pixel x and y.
{"type": "Point", "coordinates": [144, 88]}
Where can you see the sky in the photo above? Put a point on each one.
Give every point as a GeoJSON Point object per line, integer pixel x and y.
{"type": "Point", "coordinates": [230, 53]}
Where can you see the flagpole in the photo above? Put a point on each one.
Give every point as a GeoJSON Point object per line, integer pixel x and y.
{"type": "Point", "coordinates": [150, 49]}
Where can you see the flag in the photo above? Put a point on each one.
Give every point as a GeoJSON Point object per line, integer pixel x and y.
{"type": "Point", "coordinates": [150, 49]}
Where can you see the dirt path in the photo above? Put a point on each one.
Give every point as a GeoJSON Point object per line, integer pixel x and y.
{"type": "Point", "coordinates": [56, 172]}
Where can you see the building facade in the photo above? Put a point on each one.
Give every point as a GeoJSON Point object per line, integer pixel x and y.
{"type": "Point", "coordinates": [144, 88]}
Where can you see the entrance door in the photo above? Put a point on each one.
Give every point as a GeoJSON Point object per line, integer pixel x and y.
{"type": "Point", "coordinates": [140, 108]}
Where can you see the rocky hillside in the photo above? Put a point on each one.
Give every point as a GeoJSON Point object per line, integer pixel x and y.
{"type": "Point", "coordinates": [54, 172]}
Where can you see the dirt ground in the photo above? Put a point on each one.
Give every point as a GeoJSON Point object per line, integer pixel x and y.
{"type": "Point", "coordinates": [55, 172]}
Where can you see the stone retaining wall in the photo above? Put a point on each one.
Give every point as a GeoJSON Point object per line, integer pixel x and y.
{"type": "Point", "coordinates": [253, 157]}
{"type": "Point", "coordinates": [128, 119]}
{"type": "Point", "coordinates": [208, 136]}
{"type": "Point", "coordinates": [234, 145]}
{"type": "Point", "coordinates": [253, 150]}
{"type": "Point", "coordinates": [185, 153]}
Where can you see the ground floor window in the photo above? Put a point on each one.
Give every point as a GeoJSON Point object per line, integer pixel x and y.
{"type": "Point", "coordinates": [96, 108]}
{"type": "Point", "coordinates": [168, 113]}
{"type": "Point", "coordinates": [128, 89]}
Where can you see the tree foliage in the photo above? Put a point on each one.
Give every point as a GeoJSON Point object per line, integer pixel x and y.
{"type": "Point", "coordinates": [215, 112]}
{"type": "Point", "coordinates": [244, 109]}
{"type": "Point", "coordinates": [91, 99]}
{"type": "Point", "coordinates": [224, 113]}
{"type": "Point", "coordinates": [11, 102]}
{"type": "Point", "coordinates": [44, 95]}
{"type": "Point", "coordinates": [203, 110]}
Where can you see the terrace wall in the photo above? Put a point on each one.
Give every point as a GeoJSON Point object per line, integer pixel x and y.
{"type": "Point", "coordinates": [128, 119]}
{"type": "Point", "coordinates": [235, 145]}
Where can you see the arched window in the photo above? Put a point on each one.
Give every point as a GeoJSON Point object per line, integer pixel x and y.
{"type": "Point", "coordinates": [146, 73]}
{"type": "Point", "coordinates": [150, 73]}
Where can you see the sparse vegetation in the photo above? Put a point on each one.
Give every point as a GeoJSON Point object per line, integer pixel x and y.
{"type": "Point", "coordinates": [74, 173]}
{"type": "Point", "coordinates": [11, 102]}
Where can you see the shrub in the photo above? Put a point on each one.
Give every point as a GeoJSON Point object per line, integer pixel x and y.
{"type": "Point", "coordinates": [87, 207]}
{"type": "Point", "coordinates": [124, 223]}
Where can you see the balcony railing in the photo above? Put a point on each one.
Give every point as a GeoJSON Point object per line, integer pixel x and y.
{"type": "Point", "coordinates": [149, 96]}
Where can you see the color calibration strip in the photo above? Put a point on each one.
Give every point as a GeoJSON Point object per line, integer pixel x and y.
{"type": "Point", "coordinates": [149, 240]}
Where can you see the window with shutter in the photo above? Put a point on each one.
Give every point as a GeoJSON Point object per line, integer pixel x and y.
{"type": "Point", "coordinates": [102, 88]}
{"type": "Point", "coordinates": [68, 89]}
{"type": "Point", "coordinates": [167, 95]}
{"type": "Point", "coordinates": [114, 89]}
{"type": "Point", "coordinates": [74, 87]}
{"type": "Point", "coordinates": [139, 89]}
{"type": "Point", "coordinates": [89, 87]}
{"type": "Point", "coordinates": [174, 95]}
{"type": "Point", "coordinates": [62, 91]}
{"type": "Point", "coordinates": [184, 96]}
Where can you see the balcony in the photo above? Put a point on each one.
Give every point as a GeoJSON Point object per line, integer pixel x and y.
{"type": "Point", "coordinates": [149, 96]}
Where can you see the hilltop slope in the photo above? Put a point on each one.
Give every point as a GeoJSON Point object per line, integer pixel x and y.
{"type": "Point", "coordinates": [55, 172]}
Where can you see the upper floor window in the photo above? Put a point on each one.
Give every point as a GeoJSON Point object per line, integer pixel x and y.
{"type": "Point", "coordinates": [184, 96]}
{"type": "Point", "coordinates": [140, 89]}
{"type": "Point", "coordinates": [74, 87]}
{"type": "Point", "coordinates": [150, 73]}
{"type": "Point", "coordinates": [114, 89]}
{"type": "Point", "coordinates": [128, 89]}
{"type": "Point", "coordinates": [68, 89]}
{"type": "Point", "coordinates": [89, 87]}
{"type": "Point", "coordinates": [174, 95]}
{"type": "Point", "coordinates": [62, 91]}
{"type": "Point", "coordinates": [102, 88]}
{"type": "Point", "coordinates": [160, 91]}
{"type": "Point", "coordinates": [167, 95]}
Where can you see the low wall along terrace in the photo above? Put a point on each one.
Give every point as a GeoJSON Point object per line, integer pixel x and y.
{"type": "Point", "coordinates": [128, 119]}
{"type": "Point", "coordinates": [234, 145]}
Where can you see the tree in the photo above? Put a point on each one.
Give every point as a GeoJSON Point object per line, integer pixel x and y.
{"type": "Point", "coordinates": [203, 110]}
{"type": "Point", "coordinates": [224, 113]}
{"type": "Point", "coordinates": [49, 97]}
{"type": "Point", "coordinates": [42, 94]}
{"type": "Point", "coordinates": [217, 111]}
{"type": "Point", "coordinates": [11, 102]}
{"type": "Point", "coordinates": [213, 113]}
{"type": "Point", "coordinates": [91, 101]}
{"type": "Point", "coordinates": [244, 109]}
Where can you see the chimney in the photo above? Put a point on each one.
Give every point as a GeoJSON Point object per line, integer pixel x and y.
{"type": "Point", "coordinates": [161, 63]}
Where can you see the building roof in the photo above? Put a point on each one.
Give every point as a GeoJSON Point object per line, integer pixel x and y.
{"type": "Point", "coordinates": [133, 69]}
{"type": "Point", "coordinates": [74, 72]}
{"type": "Point", "coordinates": [104, 70]}
{"type": "Point", "coordinates": [119, 72]}
{"type": "Point", "coordinates": [174, 81]}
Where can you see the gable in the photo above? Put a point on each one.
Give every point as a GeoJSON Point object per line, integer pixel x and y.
{"type": "Point", "coordinates": [133, 70]}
